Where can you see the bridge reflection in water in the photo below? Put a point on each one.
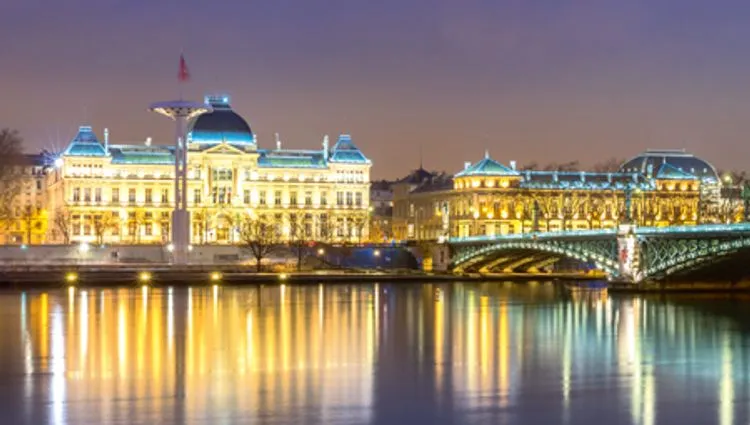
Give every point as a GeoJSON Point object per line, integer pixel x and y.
{"type": "Point", "coordinates": [495, 353]}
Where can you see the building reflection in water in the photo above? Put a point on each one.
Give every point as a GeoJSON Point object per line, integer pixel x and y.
{"type": "Point", "coordinates": [366, 354]}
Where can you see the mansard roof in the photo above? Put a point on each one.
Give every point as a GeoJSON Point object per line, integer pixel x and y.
{"type": "Point", "coordinates": [286, 158]}
{"type": "Point", "coordinates": [138, 154]}
{"type": "Point", "coordinates": [487, 167]}
{"type": "Point", "coordinates": [346, 151]}
{"type": "Point", "coordinates": [85, 143]}
{"type": "Point", "coordinates": [583, 180]}
{"type": "Point", "coordinates": [670, 172]}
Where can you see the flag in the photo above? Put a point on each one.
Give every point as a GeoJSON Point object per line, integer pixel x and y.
{"type": "Point", "coordinates": [184, 74]}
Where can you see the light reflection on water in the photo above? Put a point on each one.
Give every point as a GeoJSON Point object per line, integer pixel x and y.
{"type": "Point", "coordinates": [383, 354]}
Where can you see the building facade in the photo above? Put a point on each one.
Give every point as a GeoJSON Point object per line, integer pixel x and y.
{"type": "Point", "coordinates": [27, 218]}
{"type": "Point", "coordinates": [124, 193]}
{"type": "Point", "coordinates": [656, 188]}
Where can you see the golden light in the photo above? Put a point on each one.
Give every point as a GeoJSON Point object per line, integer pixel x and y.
{"type": "Point", "coordinates": [504, 213]}
{"type": "Point", "coordinates": [476, 214]}
{"type": "Point", "coordinates": [71, 277]}
{"type": "Point", "coordinates": [144, 276]}
{"type": "Point", "coordinates": [376, 253]}
{"type": "Point", "coordinates": [321, 251]}
{"type": "Point", "coordinates": [490, 215]}
{"type": "Point", "coordinates": [283, 276]}
{"type": "Point", "coordinates": [215, 276]}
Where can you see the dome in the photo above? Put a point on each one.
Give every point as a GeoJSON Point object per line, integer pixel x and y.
{"type": "Point", "coordinates": [651, 161]}
{"type": "Point", "coordinates": [221, 125]}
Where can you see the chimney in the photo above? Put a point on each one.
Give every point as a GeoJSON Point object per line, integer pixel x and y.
{"type": "Point", "coordinates": [148, 141]}
{"type": "Point", "coordinates": [106, 140]}
{"type": "Point", "coordinates": [467, 164]}
{"type": "Point", "coordinates": [555, 177]}
{"type": "Point", "coordinates": [325, 146]}
{"type": "Point", "coordinates": [513, 165]}
{"type": "Point", "coordinates": [278, 142]}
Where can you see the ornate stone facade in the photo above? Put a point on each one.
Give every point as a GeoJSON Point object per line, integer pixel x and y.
{"type": "Point", "coordinates": [657, 188]}
{"type": "Point", "coordinates": [112, 193]}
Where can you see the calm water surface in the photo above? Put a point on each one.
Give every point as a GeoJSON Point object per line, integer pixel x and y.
{"type": "Point", "coordinates": [371, 354]}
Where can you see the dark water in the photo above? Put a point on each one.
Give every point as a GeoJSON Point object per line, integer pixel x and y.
{"type": "Point", "coordinates": [371, 354]}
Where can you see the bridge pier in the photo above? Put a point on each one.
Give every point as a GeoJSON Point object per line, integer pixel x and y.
{"type": "Point", "coordinates": [628, 255]}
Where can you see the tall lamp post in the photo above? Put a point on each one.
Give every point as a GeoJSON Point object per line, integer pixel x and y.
{"type": "Point", "coordinates": [180, 111]}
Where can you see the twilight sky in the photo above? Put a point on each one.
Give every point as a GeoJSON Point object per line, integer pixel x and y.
{"type": "Point", "coordinates": [541, 80]}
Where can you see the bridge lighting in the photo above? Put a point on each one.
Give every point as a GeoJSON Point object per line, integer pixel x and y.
{"type": "Point", "coordinates": [170, 247]}
{"type": "Point", "coordinates": [376, 253]}
{"type": "Point", "coordinates": [215, 276]}
{"type": "Point", "coordinates": [144, 276]}
{"type": "Point", "coordinates": [321, 251]}
{"type": "Point", "coordinates": [83, 248]}
{"type": "Point", "coordinates": [283, 276]}
{"type": "Point", "coordinates": [71, 277]}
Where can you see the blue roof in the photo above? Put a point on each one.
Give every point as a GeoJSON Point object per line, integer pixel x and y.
{"type": "Point", "coordinates": [668, 171]}
{"type": "Point", "coordinates": [221, 125]}
{"type": "Point", "coordinates": [85, 143]}
{"type": "Point", "coordinates": [651, 162]}
{"type": "Point", "coordinates": [487, 167]}
{"type": "Point", "coordinates": [135, 154]}
{"type": "Point", "coordinates": [345, 151]}
{"type": "Point", "coordinates": [291, 159]}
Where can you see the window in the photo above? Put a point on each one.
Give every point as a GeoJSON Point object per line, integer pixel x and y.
{"type": "Point", "coordinates": [262, 197]}
{"type": "Point", "coordinates": [339, 198]}
{"type": "Point", "coordinates": [149, 229]}
{"type": "Point", "coordinates": [292, 198]}
{"type": "Point", "coordinates": [116, 226]}
{"type": "Point", "coordinates": [149, 195]}
{"type": "Point", "coordinates": [358, 199]}
{"type": "Point", "coordinates": [76, 222]}
{"type": "Point", "coordinates": [131, 195]}
{"type": "Point", "coordinates": [323, 198]}
{"type": "Point", "coordinates": [87, 194]}
{"type": "Point", "coordinates": [349, 200]}
{"type": "Point", "coordinates": [222, 174]}
{"type": "Point", "coordinates": [246, 196]}
{"type": "Point", "coordinates": [165, 196]}
{"type": "Point", "coordinates": [308, 198]}
{"type": "Point", "coordinates": [38, 185]}
{"type": "Point", "coordinates": [116, 195]}
{"type": "Point", "coordinates": [98, 194]}
{"type": "Point", "coordinates": [76, 194]}
{"type": "Point", "coordinates": [197, 196]}
{"type": "Point", "coordinates": [277, 197]}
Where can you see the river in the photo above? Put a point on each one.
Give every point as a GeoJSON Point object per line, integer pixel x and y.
{"type": "Point", "coordinates": [493, 353]}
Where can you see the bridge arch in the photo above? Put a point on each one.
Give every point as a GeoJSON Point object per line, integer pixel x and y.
{"type": "Point", "coordinates": [605, 259]}
{"type": "Point", "coordinates": [699, 255]}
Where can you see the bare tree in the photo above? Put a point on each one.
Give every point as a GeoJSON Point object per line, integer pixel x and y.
{"type": "Point", "coordinates": [298, 237]}
{"type": "Point", "coordinates": [10, 177]}
{"type": "Point", "coordinates": [728, 210]}
{"type": "Point", "coordinates": [102, 224]}
{"type": "Point", "coordinates": [259, 237]}
{"type": "Point", "coordinates": [359, 222]}
{"type": "Point", "coordinates": [62, 223]}
{"type": "Point", "coordinates": [136, 220]}
{"type": "Point", "coordinates": [611, 165]}
{"type": "Point", "coordinates": [201, 218]}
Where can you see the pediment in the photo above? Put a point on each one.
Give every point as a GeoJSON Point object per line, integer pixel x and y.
{"type": "Point", "coordinates": [225, 149]}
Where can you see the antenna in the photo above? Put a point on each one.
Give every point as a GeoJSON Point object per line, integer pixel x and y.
{"type": "Point", "coordinates": [420, 156]}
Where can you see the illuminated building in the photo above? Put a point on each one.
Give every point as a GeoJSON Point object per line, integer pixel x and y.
{"type": "Point", "coordinates": [28, 216]}
{"type": "Point", "coordinates": [124, 193]}
{"type": "Point", "coordinates": [656, 188]}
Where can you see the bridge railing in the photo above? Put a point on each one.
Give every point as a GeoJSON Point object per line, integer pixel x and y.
{"type": "Point", "coordinates": [533, 235]}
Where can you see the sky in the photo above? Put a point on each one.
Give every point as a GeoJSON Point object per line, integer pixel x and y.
{"type": "Point", "coordinates": [531, 81]}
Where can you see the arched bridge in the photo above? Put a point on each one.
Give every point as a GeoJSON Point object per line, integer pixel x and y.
{"type": "Point", "coordinates": [628, 253]}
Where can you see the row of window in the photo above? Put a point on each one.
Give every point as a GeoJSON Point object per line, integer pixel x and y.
{"type": "Point", "coordinates": [219, 195]}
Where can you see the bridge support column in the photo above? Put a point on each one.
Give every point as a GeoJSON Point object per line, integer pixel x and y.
{"type": "Point", "coordinates": [629, 254]}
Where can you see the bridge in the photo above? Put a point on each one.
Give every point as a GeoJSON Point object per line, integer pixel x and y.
{"type": "Point", "coordinates": [629, 253]}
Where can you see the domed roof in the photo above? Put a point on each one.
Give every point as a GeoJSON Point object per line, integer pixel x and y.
{"type": "Point", "coordinates": [652, 162]}
{"type": "Point", "coordinates": [221, 125]}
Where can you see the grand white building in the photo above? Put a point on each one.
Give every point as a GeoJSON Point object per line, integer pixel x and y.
{"type": "Point", "coordinates": [101, 192]}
